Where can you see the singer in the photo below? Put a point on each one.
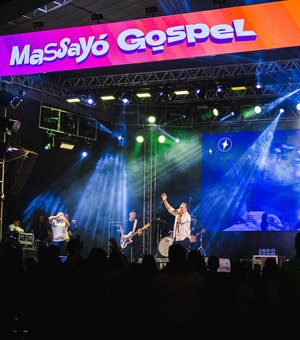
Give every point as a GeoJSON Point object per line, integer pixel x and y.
{"type": "Point", "coordinates": [60, 226]}
{"type": "Point", "coordinates": [182, 223]}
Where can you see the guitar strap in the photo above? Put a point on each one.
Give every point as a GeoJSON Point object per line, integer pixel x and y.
{"type": "Point", "coordinates": [134, 225]}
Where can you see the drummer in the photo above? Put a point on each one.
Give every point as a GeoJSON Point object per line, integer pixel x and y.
{"type": "Point", "coordinates": [182, 223]}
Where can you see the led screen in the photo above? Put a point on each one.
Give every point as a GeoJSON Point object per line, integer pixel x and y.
{"type": "Point", "coordinates": [251, 181]}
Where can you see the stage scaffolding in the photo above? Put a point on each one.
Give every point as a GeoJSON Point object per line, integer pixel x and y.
{"type": "Point", "coordinates": [149, 197]}
{"type": "Point", "coordinates": [3, 138]}
{"type": "Point", "coordinates": [279, 78]}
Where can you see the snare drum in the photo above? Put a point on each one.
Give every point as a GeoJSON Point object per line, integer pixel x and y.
{"type": "Point", "coordinates": [163, 246]}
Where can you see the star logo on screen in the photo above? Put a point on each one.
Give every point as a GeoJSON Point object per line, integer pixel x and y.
{"type": "Point", "coordinates": [225, 144]}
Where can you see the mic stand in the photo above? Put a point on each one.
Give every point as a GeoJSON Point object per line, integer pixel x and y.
{"type": "Point", "coordinates": [201, 249]}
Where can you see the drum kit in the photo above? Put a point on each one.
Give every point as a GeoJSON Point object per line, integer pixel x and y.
{"type": "Point", "coordinates": [165, 242]}
{"type": "Point", "coordinates": [163, 245]}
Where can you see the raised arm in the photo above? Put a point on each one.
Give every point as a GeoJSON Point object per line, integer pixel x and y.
{"type": "Point", "coordinates": [67, 222]}
{"type": "Point", "coordinates": [170, 209]}
{"type": "Point", "coordinates": [51, 218]}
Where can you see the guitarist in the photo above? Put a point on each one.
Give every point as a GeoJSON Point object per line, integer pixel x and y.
{"type": "Point", "coordinates": [134, 248]}
{"type": "Point", "coordinates": [182, 223]}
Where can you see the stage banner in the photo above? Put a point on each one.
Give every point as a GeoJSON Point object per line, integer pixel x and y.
{"type": "Point", "coordinates": [229, 30]}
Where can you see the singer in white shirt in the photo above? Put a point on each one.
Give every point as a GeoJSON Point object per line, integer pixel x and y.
{"type": "Point", "coordinates": [182, 223]}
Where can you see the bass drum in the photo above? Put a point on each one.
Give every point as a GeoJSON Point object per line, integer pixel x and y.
{"type": "Point", "coordinates": [163, 246]}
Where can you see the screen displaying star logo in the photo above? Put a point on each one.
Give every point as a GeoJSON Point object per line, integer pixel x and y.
{"type": "Point", "coordinates": [225, 144]}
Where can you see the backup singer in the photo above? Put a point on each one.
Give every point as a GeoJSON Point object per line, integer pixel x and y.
{"type": "Point", "coordinates": [60, 226]}
{"type": "Point", "coordinates": [182, 223]}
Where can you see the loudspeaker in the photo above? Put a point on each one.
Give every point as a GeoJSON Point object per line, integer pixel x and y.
{"type": "Point", "coordinates": [261, 259]}
{"type": "Point", "coordinates": [29, 252]}
{"type": "Point", "coordinates": [160, 261]}
{"type": "Point", "coordinates": [224, 265]}
{"type": "Point", "coordinates": [247, 263]}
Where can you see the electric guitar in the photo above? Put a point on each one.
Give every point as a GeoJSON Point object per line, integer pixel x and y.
{"type": "Point", "coordinates": [126, 239]}
{"type": "Point", "coordinates": [194, 238]}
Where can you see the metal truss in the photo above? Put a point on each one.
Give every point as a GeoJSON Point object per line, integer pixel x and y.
{"type": "Point", "coordinates": [204, 118]}
{"type": "Point", "coordinates": [182, 75]}
{"type": "Point", "coordinates": [280, 80]}
{"type": "Point", "coordinates": [210, 95]}
{"type": "Point", "coordinates": [138, 80]}
{"type": "Point", "coordinates": [40, 11]}
{"type": "Point", "coordinates": [149, 193]}
{"type": "Point", "coordinates": [3, 140]}
{"type": "Point", "coordinates": [37, 83]}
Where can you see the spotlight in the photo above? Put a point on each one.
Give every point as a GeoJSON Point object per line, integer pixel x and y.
{"type": "Point", "coordinates": [177, 140]}
{"type": "Point", "coordinates": [165, 93]}
{"type": "Point", "coordinates": [258, 88]}
{"type": "Point", "coordinates": [73, 99]}
{"type": "Point", "coordinates": [181, 92]}
{"type": "Point", "coordinates": [281, 110]}
{"type": "Point", "coordinates": [238, 88]}
{"type": "Point", "coordinates": [298, 106]}
{"type": "Point", "coordinates": [140, 139]}
{"type": "Point", "coordinates": [5, 150]}
{"type": "Point", "coordinates": [108, 97]}
{"type": "Point", "coordinates": [215, 112]}
{"type": "Point", "coordinates": [164, 96]}
{"type": "Point", "coordinates": [49, 141]}
{"type": "Point", "coordinates": [161, 139]}
{"type": "Point", "coordinates": [16, 100]}
{"type": "Point", "coordinates": [143, 95]}
{"type": "Point", "coordinates": [230, 114]}
{"type": "Point", "coordinates": [48, 146]}
{"type": "Point", "coordinates": [9, 125]}
{"type": "Point", "coordinates": [257, 109]}
{"type": "Point", "coordinates": [126, 98]}
{"type": "Point", "coordinates": [151, 119]}
{"type": "Point", "coordinates": [121, 139]}
{"type": "Point", "coordinates": [90, 101]}
{"type": "Point", "coordinates": [84, 154]}
{"type": "Point", "coordinates": [67, 145]}
{"type": "Point", "coordinates": [220, 91]}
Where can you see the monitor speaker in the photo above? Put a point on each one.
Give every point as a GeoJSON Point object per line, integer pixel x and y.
{"type": "Point", "coordinates": [224, 264]}
{"type": "Point", "coordinates": [29, 252]}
